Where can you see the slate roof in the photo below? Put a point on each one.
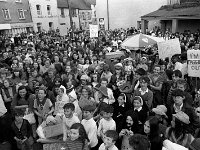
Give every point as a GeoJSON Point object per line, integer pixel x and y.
{"type": "Point", "coordinates": [78, 4]}
{"type": "Point", "coordinates": [175, 13]}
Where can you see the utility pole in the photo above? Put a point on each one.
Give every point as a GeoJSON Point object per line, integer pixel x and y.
{"type": "Point", "coordinates": [108, 17]}
{"type": "Point", "coordinates": [70, 18]}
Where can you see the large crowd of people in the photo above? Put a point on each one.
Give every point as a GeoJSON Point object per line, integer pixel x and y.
{"type": "Point", "coordinates": [125, 103]}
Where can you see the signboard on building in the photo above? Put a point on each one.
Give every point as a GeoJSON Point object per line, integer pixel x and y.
{"type": "Point", "coordinates": [193, 57]}
{"type": "Point", "coordinates": [101, 24]}
{"type": "Point", "coordinates": [93, 30]}
{"type": "Point", "coordinates": [169, 48]}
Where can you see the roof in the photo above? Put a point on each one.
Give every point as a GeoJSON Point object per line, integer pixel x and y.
{"type": "Point", "coordinates": [78, 4]}
{"type": "Point", "coordinates": [170, 13]}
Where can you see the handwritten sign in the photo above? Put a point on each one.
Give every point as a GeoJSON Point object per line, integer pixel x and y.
{"type": "Point", "coordinates": [93, 30]}
{"type": "Point", "coordinates": [193, 57]}
{"type": "Point", "coordinates": [59, 107]}
{"type": "Point", "coordinates": [169, 48]}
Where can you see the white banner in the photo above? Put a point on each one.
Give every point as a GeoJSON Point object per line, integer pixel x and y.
{"type": "Point", "coordinates": [193, 57]}
{"type": "Point", "coordinates": [169, 48]}
{"type": "Point", "coordinates": [93, 30]}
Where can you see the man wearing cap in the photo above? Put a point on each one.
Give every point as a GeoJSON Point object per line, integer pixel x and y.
{"type": "Point", "coordinates": [180, 105]}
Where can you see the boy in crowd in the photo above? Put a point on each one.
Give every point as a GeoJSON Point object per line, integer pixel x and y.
{"type": "Point", "coordinates": [109, 140]}
{"type": "Point", "coordinates": [90, 126]}
{"type": "Point", "coordinates": [107, 122]}
{"type": "Point", "coordinates": [139, 142]}
{"type": "Point", "coordinates": [68, 119]}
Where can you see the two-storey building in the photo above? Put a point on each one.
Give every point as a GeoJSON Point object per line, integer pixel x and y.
{"type": "Point", "coordinates": [15, 17]}
{"type": "Point", "coordinates": [44, 14]}
{"type": "Point", "coordinates": [80, 12]}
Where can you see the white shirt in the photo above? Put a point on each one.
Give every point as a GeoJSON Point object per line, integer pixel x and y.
{"type": "Point", "coordinates": [105, 125]}
{"type": "Point", "coordinates": [3, 109]}
{"type": "Point", "coordinates": [91, 130]}
{"type": "Point", "coordinates": [67, 123]}
{"type": "Point", "coordinates": [111, 98]}
{"type": "Point", "coordinates": [102, 147]}
{"type": "Point", "coordinates": [143, 92]}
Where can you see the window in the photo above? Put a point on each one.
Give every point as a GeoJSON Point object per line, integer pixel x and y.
{"type": "Point", "coordinates": [50, 26]}
{"type": "Point", "coordinates": [6, 14]}
{"type": "Point", "coordinates": [18, 1]}
{"type": "Point", "coordinates": [21, 14]}
{"type": "Point", "coordinates": [73, 12]}
{"type": "Point", "coordinates": [39, 27]}
{"type": "Point", "coordinates": [49, 10]}
{"type": "Point", "coordinates": [62, 12]}
{"type": "Point", "coordinates": [38, 8]}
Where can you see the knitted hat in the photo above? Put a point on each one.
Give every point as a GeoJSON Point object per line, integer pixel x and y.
{"type": "Point", "coordinates": [160, 110]}
{"type": "Point", "coordinates": [89, 108]}
{"type": "Point", "coordinates": [103, 90]}
{"type": "Point", "coordinates": [138, 98]}
{"type": "Point", "coordinates": [73, 94]}
{"type": "Point", "coordinates": [141, 71]}
{"type": "Point", "coordinates": [84, 77]}
{"type": "Point", "coordinates": [183, 117]}
{"type": "Point", "coordinates": [118, 65]}
{"type": "Point", "coordinates": [195, 145]}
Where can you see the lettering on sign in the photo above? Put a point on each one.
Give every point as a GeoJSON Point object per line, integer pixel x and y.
{"type": "Point", "coordinates": [193, 57]}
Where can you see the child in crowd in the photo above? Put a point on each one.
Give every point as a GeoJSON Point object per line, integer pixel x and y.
{"type": "Point", "coordinates": [73, 99]}
{"type": "Point", "coordinates": [61, 100]}
{"type": "Point", "coordinates": [43, 106]}
{"type": "Point", "coordinates": [139, 142]}
{"type": "Point", "coordinates": [144, 92]}
{"type": "Point", "coordinates": [109, 140]}
{"type": "Point", "coordinates": [106, 123]}
{"type": "Point", "coordinates": [140, 111]}
{"type": "Point", "coordinates": [120, 108]}
{"type": "Point", "coordinates": [68, 119]}
{"type": "Point", "coordinates": [78, 139]}
{"type": "Point", "coordinates": [22, 131]}
{"type": "Point", "coordinates": [90, 126]}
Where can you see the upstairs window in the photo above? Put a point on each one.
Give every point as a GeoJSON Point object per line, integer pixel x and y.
{"type": "Point", "coordinates": [21, 14]}
{"type": "Point", "coordinates": [49, 10]}
{"type": "Point", "coordinates": [6, 14]}
{"type": "Point", "coordinates": [38, 8]}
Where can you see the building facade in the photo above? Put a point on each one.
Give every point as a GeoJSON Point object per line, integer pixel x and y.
{"type": "Point", "coordinates": [15, 17]}
{"type": "Point", "coordinates": [125, 13]}
{"type": "Point", "coordinates": [177, 16]}
{"type": "Point", "coordinates": [44, 15]}
{"type": "Point", "coordinates": [81, 15]}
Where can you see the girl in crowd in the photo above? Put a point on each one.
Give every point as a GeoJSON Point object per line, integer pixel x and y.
{"type": "Point", "coordinates": [151, 129]}
{"type": "Point", "coordinates": [78, 139]}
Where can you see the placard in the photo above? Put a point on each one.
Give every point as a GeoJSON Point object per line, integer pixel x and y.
{"type": "Point", "coordinates": [93, 30]}
{"type": "Point", "coordinates": [59, 107]}
{"type": "Point", "coordinates": [51, 131]}
{"type": "Point", "coordinates": [193, 57]}
{"type": "Point", "coordinates": [169, 48]}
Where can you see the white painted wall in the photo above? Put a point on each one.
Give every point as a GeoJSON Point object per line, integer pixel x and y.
{"type": "Point", "coordinates": [126, 13]}
{"type": "Point", "coordinates": [44, 18]}
{"type": "Point", "coordinates": [64, 22]}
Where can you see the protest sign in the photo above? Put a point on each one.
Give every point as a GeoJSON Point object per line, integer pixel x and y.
{"type": "Point", "coordinates": [54, 130]}
{"type": "Point", "coordinates": [93, 30]}
{"type": "Point", "coordinates": [169, 48]}
{"type": "Point", "coordinates": [59, 107]}
{"type": "Point", "coordinates": [193, 57]}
